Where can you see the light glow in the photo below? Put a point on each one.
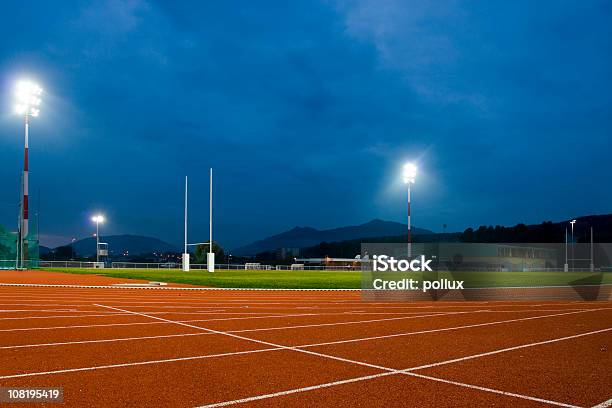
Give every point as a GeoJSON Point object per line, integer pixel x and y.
{"type": "Point", "coordinates": [98, 219]}
{"type": "Point", "coordinates": [27, 95]}
{"type": "Point", "coordinates": [409, 173]}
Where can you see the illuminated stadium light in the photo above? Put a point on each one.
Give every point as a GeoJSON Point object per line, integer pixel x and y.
{"type": "Point", "coordinates": [27, 103]}
{"type": "Point", "coordinates": [410, 170]}
{"type": "Point", "coordinates": [27, 95]}
{"type": "Point", "coordinates": [98, 219]}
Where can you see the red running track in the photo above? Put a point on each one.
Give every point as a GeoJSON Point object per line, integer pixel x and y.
{"type": "Point", "coordinates": [192, 348]}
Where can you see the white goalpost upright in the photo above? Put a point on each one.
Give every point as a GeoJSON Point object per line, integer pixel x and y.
{"type": "Point", "coordinates": [210, 259]}
{"type": "Point", "coordinates": [185, 253]}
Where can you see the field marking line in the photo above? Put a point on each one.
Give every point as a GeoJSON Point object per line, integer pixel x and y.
{"type": "Point", "coordinates": [386, 336]}
{"type": "Point", "coordinates": [504, 350]}
{"type": "Point", "coordinates": [409, 372]}
{"type": "Point", "coordinates": [49, 285]}
{"type": "Point", "coordinates": [261, 314]}
{"type": "Point", "coordinates": [257, 330]}
{"type": "Point", "coordinates": [149, 322]}
{"type": "Point", "coordinates": [287, 305]}
{"type": "Point", "coordinates": [62, 317]}
{"type": "Point", "coordinates": [477, 387]}
{"type": "Point", "coordinates": [136, 363]}
{"type": "Point", "coordinates": [200, 334]}
{"type": "Point", "coordinates": [67, 343]}
{"type": "Point", "coordinates": [604, 404]}
{"type": "Point", "coordinates": [200, 320]}
{"type": "Point", "coordinates": [328, 356]}
{"type": "Point", "coordinates": [263, 342]}
{"type": "Point", "coordinates": [346, 381]}
{"type": "Point", "coordinates": [296, 390]}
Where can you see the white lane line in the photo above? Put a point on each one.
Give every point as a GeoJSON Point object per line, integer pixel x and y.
{"type": "Point", "coordinates": [265, 396]}
{"type": "Point", "coordinates": [149, 322]}
{"type": "Point", "coordinates": [137, 363]}
{"type": "Point", "coordinates": [296, 390]}
{"type": "Point", "coordinates": [199, 320]}
{"type": "Point", "coordinates": [604, 404]}
{"type": "Point", "coordinates": [389, 371]}
{"type": "Point", "coordinates": [504, 350]}
{"type": "Point", "coordinates": [264, 314]}
{"type": "Point", "coordinates": [45, 310]}
{"type": "Point", "coordinates": [328, 356]}
{"type": "Point", "coordinates": [270, 329]}
{"type": "Point", "coordinates": [63, 316]}
{"type": "Point", "coordinates": [200, 334]}
{"type": "Point", "coordinates": [409, 372]}
{"type": "Point", "coordinates": [49, 285]}
{"type": "Point", "coordinates": [256, 341]}
{"type": "Point", "coordinates": [67, 343]}
{"type": "Point", "coordinates": [506, 393]}
{"type": "Point", "coordinates": [387, 336]}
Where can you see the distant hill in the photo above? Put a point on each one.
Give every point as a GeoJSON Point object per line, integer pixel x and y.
{"type": "Point", "coordinates": [301, 237]}
{"type": "Point", "coordinates": [546, 232]}
{"type": "Point", "coordinates": [118, 244]}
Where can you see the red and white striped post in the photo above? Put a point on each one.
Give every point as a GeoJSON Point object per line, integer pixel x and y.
{"type": "Point", "coordinates": [25, 216]}
{"type": "Point", "coordinates": [409, 177]}
{"type": "Point", "coordinates": [28, 100]}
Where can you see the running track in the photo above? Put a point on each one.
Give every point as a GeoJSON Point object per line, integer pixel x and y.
{"type": "Point", "coordinates": [202, 348]}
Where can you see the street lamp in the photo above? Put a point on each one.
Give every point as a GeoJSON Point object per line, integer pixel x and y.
{"type": "Point", "coordinates": [572, 222]}
{"type": "Point", "coordinates": [97, 219]}
{"type": "Point", "coordinates": [409, 175]}
{"type": "Point", "coordinates": [27, 102]}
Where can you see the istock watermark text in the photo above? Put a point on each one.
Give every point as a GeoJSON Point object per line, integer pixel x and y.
{"type": "Point", "coordinates": [384, 263]}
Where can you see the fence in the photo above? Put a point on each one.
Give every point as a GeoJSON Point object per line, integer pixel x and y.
{"type": "Point", "coordinates": [10, 264]}
{"type": "Point", "coordinates": [178, 265]}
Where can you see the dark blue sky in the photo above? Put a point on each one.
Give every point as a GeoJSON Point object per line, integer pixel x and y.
{"type": "Point", "coordinates": [307, 110]}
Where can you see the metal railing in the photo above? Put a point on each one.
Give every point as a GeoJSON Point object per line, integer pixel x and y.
{"type": "Point", "coordinates": [10, 264]}
{"type": "Point", "coordinates": [67, 264]}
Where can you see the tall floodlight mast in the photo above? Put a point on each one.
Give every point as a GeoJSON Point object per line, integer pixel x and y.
{"type": "Point", "coordinates": [98, 219]}
{"type": "Point", "coordinates": [27, 96]}
{"type": "Point", "coordinates": [409, 175]}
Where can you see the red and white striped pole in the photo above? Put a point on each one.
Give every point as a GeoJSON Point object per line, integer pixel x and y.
{"type": "Point", "coordinates": [24, 207]}
{"type": "Point", "coordinates": [28, 100]}
{"type": "Point", "coordinates": [409, 226]}
{"type": "Point", "coordinates": [409, 176]}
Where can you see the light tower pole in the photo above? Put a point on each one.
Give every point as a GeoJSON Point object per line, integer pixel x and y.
{"type": "Point", "coordinates": [28, 100]}
{"type": "Point", "coordinates": [409, 175]}
{"type": "Point", "coordinates": [97, 219]}
{"type": "Point", "coordinates": [565, 266]}
{"type": "Point", "coordinates": [572, 222]}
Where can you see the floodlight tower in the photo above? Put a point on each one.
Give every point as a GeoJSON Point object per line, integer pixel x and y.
{"type": "Point", "coordinates": [409, 175]}
{"type": "Point", "coordinates": [27, 96]}
{"type": "Point", "coordinates": [98, 219]}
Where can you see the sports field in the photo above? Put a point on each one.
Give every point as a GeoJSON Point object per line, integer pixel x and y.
{"type": "Point", "coordinates": [196, 347]}
{"type": "Point", "coordinates": [337, 279]}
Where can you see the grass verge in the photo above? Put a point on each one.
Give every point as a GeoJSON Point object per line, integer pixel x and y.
{"type": "Point", "coordinates": [340, 280]}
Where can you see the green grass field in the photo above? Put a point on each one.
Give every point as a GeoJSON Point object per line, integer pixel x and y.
{"type": "Point", "coordinates": [334, 279]}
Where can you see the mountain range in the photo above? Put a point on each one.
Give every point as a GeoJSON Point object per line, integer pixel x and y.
{"type": "Point", "coordinates": [383, 231]}
{"type": "Point", "coordinates": [301, 237]}
{"type": "Point", "coordinates": [119, 244]}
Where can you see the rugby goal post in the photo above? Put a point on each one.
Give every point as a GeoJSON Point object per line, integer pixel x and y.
{"type": "Point", "coordinates": [210, 256]}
